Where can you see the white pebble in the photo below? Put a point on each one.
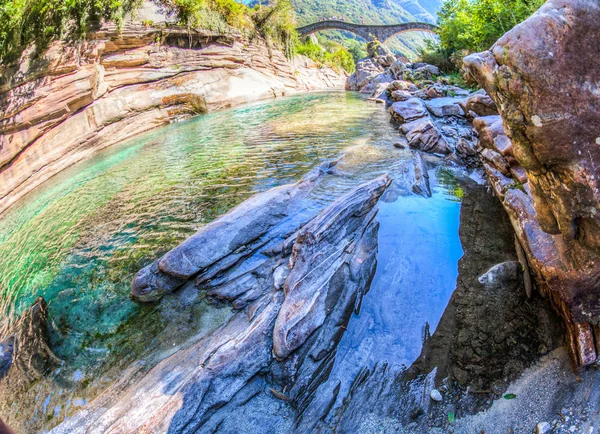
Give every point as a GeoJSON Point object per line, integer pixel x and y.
{"type": "Point", "coordinates": [436, 395]}
{"type": "Point", "coordinates": [543, 428]}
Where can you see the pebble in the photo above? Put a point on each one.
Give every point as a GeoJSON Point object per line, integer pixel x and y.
{"type": "Point", "coordinates": [543, 428]}
{"type": "Point", "coordinates": [436, 395]}
{"type": "Point", "coordinates": [399, 145]}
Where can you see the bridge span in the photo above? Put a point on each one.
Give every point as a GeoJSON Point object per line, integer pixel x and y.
{"type": "Point", "coordinates": [368, 32]}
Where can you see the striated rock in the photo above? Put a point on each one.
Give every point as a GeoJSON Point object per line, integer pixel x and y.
{"type": "Point", "coordinates": [340, 252]}
{"type": "Point", "coordinates": [442, 107]}
{"type": "Point", "coordinates": [424, 136]}
{"type": "Point", "coordinates": [425, 72]}
{"type": "Point", "coordinates": [220, 244]}
{"type": "Point", "coordinates": [401, 95]}
{"type": "Point", "coordinates": [421, 178]}
{"type": "Point", "coordinates": [409, 110]}
{"type": "Point", "coordinates": [366, 69]}
{"type": "Point", "coordinates": [481, 104]}
{"type": "Point", "coordinates": [542, 76]}
{"type": "Point", "coordinates": [70, 101]}
{"type": "Point", "coordinates": [200, 387]}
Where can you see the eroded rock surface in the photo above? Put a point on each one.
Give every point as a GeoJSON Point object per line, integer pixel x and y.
{"type": "Point", "coordinates": [24, 352]}
{"type": "Point", "coordinates": [305, 284]}
{"type": "Point", "coordinates": [72, 100]}
{"type": "Point", "coordinates": [543, 77]}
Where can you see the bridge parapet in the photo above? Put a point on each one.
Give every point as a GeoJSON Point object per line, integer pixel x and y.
{"type": "Point", "coordinates": [367, 31]}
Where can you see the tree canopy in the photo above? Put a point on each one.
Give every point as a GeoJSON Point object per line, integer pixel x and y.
{"type": "Point", "coordinates": [468, 26]}
{"type": "Point", "coordinates": [474, 25]}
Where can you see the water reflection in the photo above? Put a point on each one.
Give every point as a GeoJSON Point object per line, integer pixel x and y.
{"type": "Point", "coordinates": [416, 274]}
{"type": "Point", "coordinates": [79, 240]}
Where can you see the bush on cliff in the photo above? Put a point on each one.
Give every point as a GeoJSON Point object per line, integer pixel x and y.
{"type": "Point", "coordinates": [23, 22]}
{"type": "Point", "coordinates": [216, 15]}
{"type": "Point", "coordinates": [467, 26]}
{"type": "Point", "coordinates": [331, 54]}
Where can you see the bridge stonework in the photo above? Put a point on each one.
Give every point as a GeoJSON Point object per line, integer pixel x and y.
{"type": "Point", "coordinates": [367, 31]}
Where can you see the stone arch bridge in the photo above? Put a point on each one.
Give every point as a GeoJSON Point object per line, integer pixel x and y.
{"type": "Point", "coordinates": [368, 32]}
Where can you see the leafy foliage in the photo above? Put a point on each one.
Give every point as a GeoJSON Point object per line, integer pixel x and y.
{"type": "Point", "coordinates": [467, 26]}
{"type": "Point", "coordinates": [331, 54]}
{"type": "Point", "coordinates": [216, 15]}
{"type": "Point", "coordinates": [25, 21]}
{"type": "Point", "coordinates": [276, 23]}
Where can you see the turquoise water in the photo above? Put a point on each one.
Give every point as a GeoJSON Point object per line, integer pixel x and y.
{"type": "Point", "coordinates": [79, 239]}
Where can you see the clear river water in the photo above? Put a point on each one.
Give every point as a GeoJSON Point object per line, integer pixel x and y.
{"type": "Point", "coordinates": [79, 239]}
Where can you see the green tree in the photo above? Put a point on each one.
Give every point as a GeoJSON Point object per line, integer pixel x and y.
{"type": "Point", "coordinates": [467, 26]}
{"type": "Point", "coordinates": [23, 22]}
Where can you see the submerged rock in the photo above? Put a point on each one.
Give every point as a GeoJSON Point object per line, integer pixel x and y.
{"type": "Point", "coordinates": [220, 244]}
{"type": "Point", "coordinates": [25, 355]}
{"type": "Point", "coordinates": [324, 268]}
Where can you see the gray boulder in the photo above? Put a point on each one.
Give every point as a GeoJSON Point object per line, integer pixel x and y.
{"type": "Point", "coordinates": [409, 110]}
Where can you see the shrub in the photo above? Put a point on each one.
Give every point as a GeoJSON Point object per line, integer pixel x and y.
{"type": "Point", "coordinates": [467, 26]}
{"type": "Point", "coordinates": [474, 25]}
{"type": "Point", "coordinates": [333, 55]}
{"type": "Point", "coordinates": [23, 22]}
{"type": "Point", "coordinates": [276, 23]}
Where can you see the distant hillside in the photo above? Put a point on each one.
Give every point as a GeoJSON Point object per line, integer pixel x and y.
{"type": "Point", "coordinates": [372, 12]}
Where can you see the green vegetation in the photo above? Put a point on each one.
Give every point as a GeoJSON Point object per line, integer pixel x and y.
{"type": "Point", "coordinates": [275, 22]}
{"type": "Point", "coordinates": [369, 12]}
{"type": "Point", "coordinates": [329, 53]}
{"type": "Point", "coordinates": [468, 26]}
{"type": "Point", "coordinates": [23, 22]}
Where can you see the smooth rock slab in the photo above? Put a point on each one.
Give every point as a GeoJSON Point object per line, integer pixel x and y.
{"type": "Point", "coordinates": [224, 241]}
{"type": "Point", "coordinates": [325, 268]}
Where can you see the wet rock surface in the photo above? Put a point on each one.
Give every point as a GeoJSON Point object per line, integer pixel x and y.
{"type": "Point", "coordinates": [25, 355]}
{"type": "Point", "coordinates": [283, 338]}
{"type": "Point", "coordinates": [543, 162]}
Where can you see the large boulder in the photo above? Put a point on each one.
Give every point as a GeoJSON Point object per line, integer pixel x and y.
{"type": "Point", "coordinates": [409, 110]}
{"type": "Point", "coordinates": [481, 104]}
{"type": "Point", "coordinates": [423, 135]}
{"type": "Point", "coordinates": [366, 70]}
{"type": "Point", "coordinates": [543, 76]}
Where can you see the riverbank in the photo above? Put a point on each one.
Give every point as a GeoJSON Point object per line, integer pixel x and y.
{"type": "Point", "coordinates": [72, 100]}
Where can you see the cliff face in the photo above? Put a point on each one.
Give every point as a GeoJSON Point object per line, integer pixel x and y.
{"type": "Point", "coordinates": [61, 106]}
{"type": "Point", "coordinates": [544, 77]}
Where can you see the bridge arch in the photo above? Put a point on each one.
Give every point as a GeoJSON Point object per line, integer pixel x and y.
{"type": "Point", "coordinates": [367, 31]}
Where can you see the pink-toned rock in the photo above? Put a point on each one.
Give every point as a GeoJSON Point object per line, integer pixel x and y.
{"type": "Point", "coordinates": [62, 106]}
{"type": "Point", "coordinates": [543, 76]}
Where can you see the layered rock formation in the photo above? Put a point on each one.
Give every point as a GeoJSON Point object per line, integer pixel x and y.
{"type": "Point", "coordinates": [59, 107]}
{"type": "Point", "coordinates": [24, 353]}
{"type": "Point", "coordinates": [543, 157]}
{"type": "Point", "coordinates": [294, 290]}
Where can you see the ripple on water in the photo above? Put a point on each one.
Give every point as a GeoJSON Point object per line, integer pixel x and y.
{"type": "Point", "coordinates": [80, 238]}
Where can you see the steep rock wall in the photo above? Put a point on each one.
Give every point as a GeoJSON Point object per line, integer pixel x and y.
{"type": "Point", "coordinates": [59, 107]}
{"type": "Point", "coordinates": [544, 76]}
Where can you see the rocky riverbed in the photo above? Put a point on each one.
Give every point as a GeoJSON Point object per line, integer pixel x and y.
{"type": "Point", "coordinates": [515, 346]}
{"type": "Point", "coordinates": [71, 101]}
